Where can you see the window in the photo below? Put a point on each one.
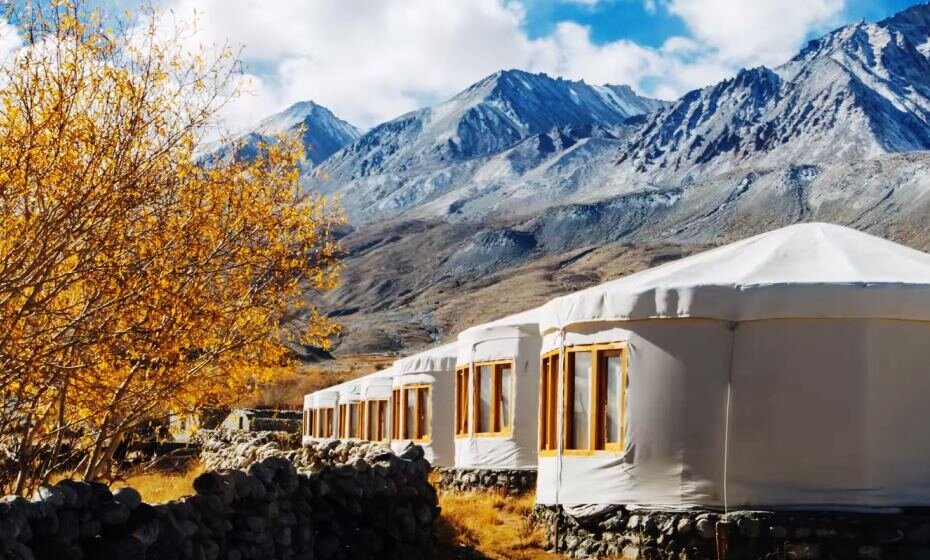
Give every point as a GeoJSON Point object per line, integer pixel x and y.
{"type": "Point", "coordinates": [548, 387]}
{"type": "Point", "coordinates": [327, 422]}
{"type": "Point", "coordinates": [577, 409]}
{"type": "Point", "coordinates": [375, 420]}
{"type": "Point", "coordinates": [308, 422]}
{"type": "Point", "coordinates": [349, 421]}
{"type": "Point", "coordinates": [416, 412]}
{"type": "Point", "coordinates": [595, 398]}
{"type": "Point", "coordinates": [461, 401]}
{"type": "Point", "coordinates": [493, 398]}
{"type": "Point", "coordinates": [395, 414]}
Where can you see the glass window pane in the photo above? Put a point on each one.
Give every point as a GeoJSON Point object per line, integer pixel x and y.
{"type": "Point", "coordinates": [485, 380]}
{"type": "Point", "coordinates": [614, 374]}
{"type": "Point", "coordinates": [580, 404]}
{"type": "Point", "coordinates": [382, 421]}
{"type": "Point", "coordinates": [409, 415]}
{"type": "Point", "coordinates": [353, 421]}
{"type": "Point", "coordinates": [423, 396]}
{"type": "Point", "coordinates": [506, 396]}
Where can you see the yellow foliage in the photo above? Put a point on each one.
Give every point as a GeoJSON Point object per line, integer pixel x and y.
{"type": "Point", "coordinates": [134, 278]}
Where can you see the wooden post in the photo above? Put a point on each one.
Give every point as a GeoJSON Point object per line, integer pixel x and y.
{"type": "Point", "coordinates": [723, 539]}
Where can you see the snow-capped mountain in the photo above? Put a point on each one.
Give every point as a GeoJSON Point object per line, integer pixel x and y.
{"type": "Point", "coordinates": [858, 92]}
{"type": "Point", "coordinates": [323, 132]}
{"type": "Point", "coordinates": [423, 155]}
{"type": "Point", "coordinates": [524, 186]}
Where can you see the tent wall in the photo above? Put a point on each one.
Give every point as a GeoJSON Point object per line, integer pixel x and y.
{"type": "Point", "coordinates": [823, 414]}
{"type": "Point", "coordinates": [516, 450]}
{"type": "Point", "coordinates": [439, 450]}
{"type": "Point", "coordinates": [676, 404]}
{"type": "Point", "coordinates": [830, 412]}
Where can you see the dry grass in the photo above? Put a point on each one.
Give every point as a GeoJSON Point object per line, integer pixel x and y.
{"type": "Point", "coordinates": [477, 525]}
{"type": "Point", "coordinates": [290, 385]}
{"type": "Point", "coordinates": [162, 487]}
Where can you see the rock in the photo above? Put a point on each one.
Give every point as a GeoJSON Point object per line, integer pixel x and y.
{"type": "Point", "coordinates": [129, 497]}
{"type": "Point", "coordinates": [706, 529]}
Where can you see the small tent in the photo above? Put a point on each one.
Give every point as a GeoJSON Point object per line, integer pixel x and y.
{"type": "Point", "coordinates": [789, 369]}
{"type": "Point", "coordinates": [375, 396]}
{"type": "Point", "coordinates": [320, 415]}
{"type": "Point", "coordinates": [497, 394]}
{"type": "Point", "coordinates": [349, 411]}
{"type": "Point", "coordinates": [422, 404]}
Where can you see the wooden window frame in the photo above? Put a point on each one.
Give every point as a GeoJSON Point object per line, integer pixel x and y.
{"type": "Point", "coordinates": [420, 433]}
{"type": "Point", "coordinates": [345, 420]}
{"type": "Point", "coordinates": [596, 430]}
{"type": "Point", "coordinates": [396, 413]}
{"type": "Point", "coordinates": [372, 409]}
{"type": "Point", "coordinates": [462, 421]}
{"type": "Point", "coordinates": [548, 403]}
{"type": "Point", "coordinates": [497, 368]}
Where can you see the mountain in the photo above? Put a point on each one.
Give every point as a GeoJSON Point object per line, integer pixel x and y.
{"type": "Point", "coordinates": [859, 92]}
{"type": "Point", "coordinates": [323, 132]}
{"type": "Point", "coordinates": [469, 141]}
{"type": "Point", "coordinates": [524, 187]}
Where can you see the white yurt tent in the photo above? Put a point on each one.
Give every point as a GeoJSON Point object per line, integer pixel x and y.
{"type": "Point", "coordinates": [375, 395]}
{"type": "Point", "coordinates": [423, 399]}
{"type": "Point", "coordinates": [497, 394]}
{"type": "Point", "coordinates": [349, 415]}
{"type": "Point", "coordinates": [320, 415]}
{"type": "Point", "coordinates": [789, 369]}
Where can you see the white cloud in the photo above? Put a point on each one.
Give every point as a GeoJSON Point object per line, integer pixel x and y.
{"type": "Point", "coordinates": [757, 32]}
{"type": "Point", "coordinates": [372, 60]}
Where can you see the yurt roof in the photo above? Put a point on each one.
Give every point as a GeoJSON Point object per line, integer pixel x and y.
{"type": "Point", "coordinates": [507, 326]}
{"type": "Point", "coordinates": [441, 358]}
{"type": "Point", "coordinates": [810, 270]}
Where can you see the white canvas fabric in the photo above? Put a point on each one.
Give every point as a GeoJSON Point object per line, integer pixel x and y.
{"type": "Point", "coordinates": [515, 338]}
{"type": "Point", "coordinates": [805, 270]}
{"type": "Point", "coordinates": [786, 370]}
{"type": "Point", "coordinates": [435, 368]}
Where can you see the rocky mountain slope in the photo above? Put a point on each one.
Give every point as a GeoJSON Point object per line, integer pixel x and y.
{"type": "Point", "coordinates": [501, 130]}
{"type": "Point", "coordinates": [523, 187]}
{"type": "Point", "coordinates": [322, 133]}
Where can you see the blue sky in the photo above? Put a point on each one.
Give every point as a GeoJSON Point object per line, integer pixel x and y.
{"type": "Point", "coordinates": [372, 60]}
{"type": "Point", "coordinates": [630, 19]}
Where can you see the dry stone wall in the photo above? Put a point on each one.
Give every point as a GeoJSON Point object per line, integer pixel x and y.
{"type": "Point", "coordinates": [276, 504]}
{"type": "Point", "coordinates": [508, 481]}
{"type": "Point", "coordinates": [742, 535]}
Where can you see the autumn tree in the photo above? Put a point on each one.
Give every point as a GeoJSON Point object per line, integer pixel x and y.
{"type": "Point", "coordinates": [134, 278]}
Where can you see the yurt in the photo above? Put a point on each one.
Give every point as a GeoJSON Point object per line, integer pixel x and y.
{"type": "Point", "coordinates": [320, 415]}
{"type": "Point", "coordinates": [349, 411]}
{"type": "Point", "coordinates": [375, 396]}
{"type": "Point", "coordinates": [789, 370]}
{"type": "Point", "coordinates": [497, 393]}
{"type": "Point", "coordinates": [422, 404]}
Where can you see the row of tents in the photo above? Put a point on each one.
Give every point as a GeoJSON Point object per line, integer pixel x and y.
{"type": "Point", "coordinates": [790, 369]}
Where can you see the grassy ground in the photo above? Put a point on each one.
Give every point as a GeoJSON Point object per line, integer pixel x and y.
{"type": "Point", "coordinates": [479, 525]}
{"type": "Point", "coordinates": [162, 487]}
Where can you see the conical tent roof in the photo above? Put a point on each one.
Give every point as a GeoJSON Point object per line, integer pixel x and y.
{"type": "Point", "coordinates": [441, 358]}
{"type": "Point", "coordinates": [802, 271]}
{"type": "Point", "coordinates": [506, 326]}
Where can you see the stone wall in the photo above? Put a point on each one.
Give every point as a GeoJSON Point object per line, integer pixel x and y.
{"type": "Point", "coordinates": [509, 481]}
{"type": "Point", "coordinates": [743, 535]}
{"type": "Point", "coordinates": [280, 505]}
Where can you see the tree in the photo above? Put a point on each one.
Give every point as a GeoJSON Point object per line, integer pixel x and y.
{"type": "Point", "coordinates": [134, 279]}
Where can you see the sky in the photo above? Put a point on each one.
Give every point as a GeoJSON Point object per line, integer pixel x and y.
{"type": "Point", "coordinates": [372, 60]}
